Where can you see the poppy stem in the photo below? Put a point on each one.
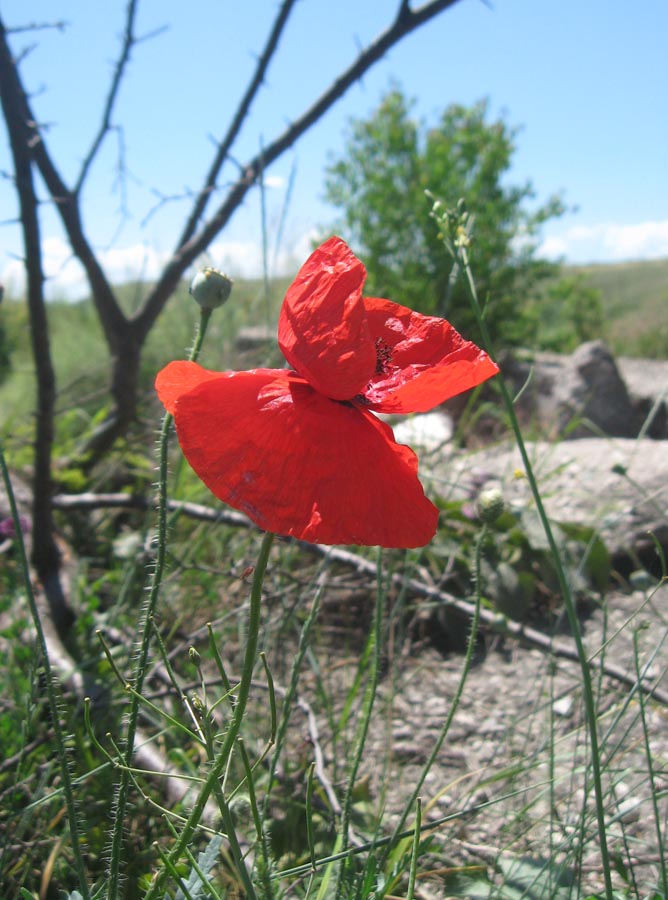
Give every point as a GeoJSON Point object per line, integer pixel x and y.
{"type": "Point", "coordinates": [219, 765]}
{"type": "Point", "coordinates": [414, 798]}
{"type": "Point", "coordinates": [565, 588]}
{"type": "Point", "coordinates": [205, 315]}
{"type": "Point", "coordinates": [145, 631]}
{"type": "Point", "coordinates": [374, 650]}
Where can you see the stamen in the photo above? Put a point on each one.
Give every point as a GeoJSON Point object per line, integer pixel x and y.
{"type": "Point", "coordinates": [383, 357]}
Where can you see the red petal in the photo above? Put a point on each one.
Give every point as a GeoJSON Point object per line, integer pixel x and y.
{"type": "Point", "coordinates": [322, 329]}
{"type": "Point", "coordinates": [421, 360]}
{"type": "Point", "coordinates": [300, 464]}
{"type": "Point", "coordinates": [177, 378]}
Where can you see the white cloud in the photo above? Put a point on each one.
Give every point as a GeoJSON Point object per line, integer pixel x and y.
{"type": "Point", "coordinates": [643, 241]}
{"type": "Point", "coordinates": [64, 275]}
{"type": "Point", "coordinates": [274, 181]}
{"type": "Point", "coordinates": [553, 248]}
{"type": "Point", "coordinates": [136, 262]}
{"type": "Point", "coordinates": [11, 277]}
{"type": "Point", "coordinates": [603, 242]}
{"type": "Point", "coordinates": [66, 278]}
{"type": "Point", "coordinates": [609, 242]}
{"type": "Point", "coordinates": [243, 259]}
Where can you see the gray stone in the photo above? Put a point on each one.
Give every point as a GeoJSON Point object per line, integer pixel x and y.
{"type": "Point", "coordinates": [572, 396]}
{"type": "Point", "coordinates": [647, 384]}
{"type": "Point", "coordinates": [590, 396]}
{"type": "Point", "coordinates": [618, 487]}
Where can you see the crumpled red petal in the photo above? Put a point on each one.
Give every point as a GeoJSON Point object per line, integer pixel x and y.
{"type": "Point", "coordinates": [421, 360]}
{"type": "Point", "coordinates": [322, 329]}
{"type": "Point", "coordinates": [300, 464]}
{"type": "Point", "coordinates": [178, 378]}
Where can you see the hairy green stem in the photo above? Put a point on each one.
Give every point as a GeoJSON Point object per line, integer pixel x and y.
{"type": "Point", "coordinates": [436, 749]}
{"type": "Point", "coordinates": [219, 764]}
{"type": "Point", "coordinates": [661, 837]}
{"type": "Point", "coordinates": [587, 687]}
{"type": "Point", "coordinates": [224, 807]}
{"type": "Point", "coordinates": [279, 732]}
{"type": "Point", "coordinates": [145, 631]}
{"type": "Point", "coordinates": [52, 697]}
{"type": "Point", "coordinates": [415, 852]}
{"type": "Point", "coordinates": [365, 719]}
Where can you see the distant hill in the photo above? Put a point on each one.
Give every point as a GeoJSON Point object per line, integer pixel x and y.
{"type": "Point", "coordinates": [635, 300]}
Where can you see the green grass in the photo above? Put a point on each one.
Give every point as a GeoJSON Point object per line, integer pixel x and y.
{"type": "Point", "coordinates": [635, 303]}
{"type": "Point", "coordinates": [81, 359]}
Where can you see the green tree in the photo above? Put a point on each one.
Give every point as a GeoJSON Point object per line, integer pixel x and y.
{"type": "Point", "coordinates": [571, 312]}
{"type": "Point", "coordinates": [379, 183]}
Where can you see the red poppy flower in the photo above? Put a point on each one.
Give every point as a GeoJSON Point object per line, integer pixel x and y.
{"type": "Point", "coordinates": [299, 450]}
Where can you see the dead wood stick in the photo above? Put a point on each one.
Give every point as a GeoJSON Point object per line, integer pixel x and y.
{"type": "Point", "coordinates": [491, 620]}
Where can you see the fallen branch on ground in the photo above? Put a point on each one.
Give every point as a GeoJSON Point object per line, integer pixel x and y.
{"type": "Point", "coordinates": [491, 620]}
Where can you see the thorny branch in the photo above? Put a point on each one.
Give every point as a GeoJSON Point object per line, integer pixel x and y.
{"type": "Point", "coordinates": [188, 252]}
{"type": "Point", "coordinates": [237, 121]}
{"type": "Point", "coordinates": [125, 336]}
{"type": "Point", "coordinates": [45, 554]}
{"type": "Point", "coordinates": [129, 41]}
{"type": "Point", "coordinates": [489, 618]}
{"type": "Point", "coordinates": [38, 26]}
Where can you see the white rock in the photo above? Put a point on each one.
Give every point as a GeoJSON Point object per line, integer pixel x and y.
{"type": "Point", "coordinates": [563, 706]}
{"type": "Point", "coordinates": [428, 431]}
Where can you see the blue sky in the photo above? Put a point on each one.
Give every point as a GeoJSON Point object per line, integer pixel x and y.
{"type": "Point", "coordinates": [585, 79]}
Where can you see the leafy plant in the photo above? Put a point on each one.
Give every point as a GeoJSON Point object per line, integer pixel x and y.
{"type": "Point", "coordinates": [378, 183]}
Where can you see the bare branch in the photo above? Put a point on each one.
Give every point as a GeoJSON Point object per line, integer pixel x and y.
{"type": "Point", "coordinates": [404, 10]}
{"type": "Point", "coordinates": [188, 252]}
{"type": "Point", "coordinates": [25, 124]}
{"type": "Point", "coordinates": [126, 49]}
{"type": "Point", "coordinates": [237, 121]}
{"type": "Point", "coordinates": [125, 336]}
{"type": "Point", "coordinates": [489, 618]}
{"type": "Point", "coordinates": [92, 500]}
{"type": "Point", "coordinates": [45, 553]}
{"type": "Point", "coordinates": [38, 26]}
{"type": "Point", "coordinates": [163, 200]}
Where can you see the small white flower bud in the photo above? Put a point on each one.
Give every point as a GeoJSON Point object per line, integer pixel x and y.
{"type": "Point", "coordinates": [211, 288]}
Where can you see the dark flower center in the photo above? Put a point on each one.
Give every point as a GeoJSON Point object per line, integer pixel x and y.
{"type": "Point", "coordinates": [383, 357]}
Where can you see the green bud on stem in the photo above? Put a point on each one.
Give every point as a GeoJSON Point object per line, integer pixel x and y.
{"type": "Point", "coordinates": [211, 288]}
{"type": "Point", "coordinates": [490, 505]}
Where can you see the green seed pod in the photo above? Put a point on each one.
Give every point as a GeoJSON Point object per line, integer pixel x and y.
{"type": "Point", "coordinates": [211, 288]}
{"type": "Point", "coordinates": [490, 505]}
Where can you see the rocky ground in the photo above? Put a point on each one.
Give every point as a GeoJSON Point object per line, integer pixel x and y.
{"type": "Point", "coordinates": [517, 705]}
{"type": "Point", "coordinates": [518, 702]}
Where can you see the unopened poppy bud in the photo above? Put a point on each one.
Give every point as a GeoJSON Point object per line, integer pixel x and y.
{"type": "Point", "coordinates": [194, 657]}
{"type": "Point", "coordinates": [490, 505]}
{"type": "Point", "coordinates": [211, 288]}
